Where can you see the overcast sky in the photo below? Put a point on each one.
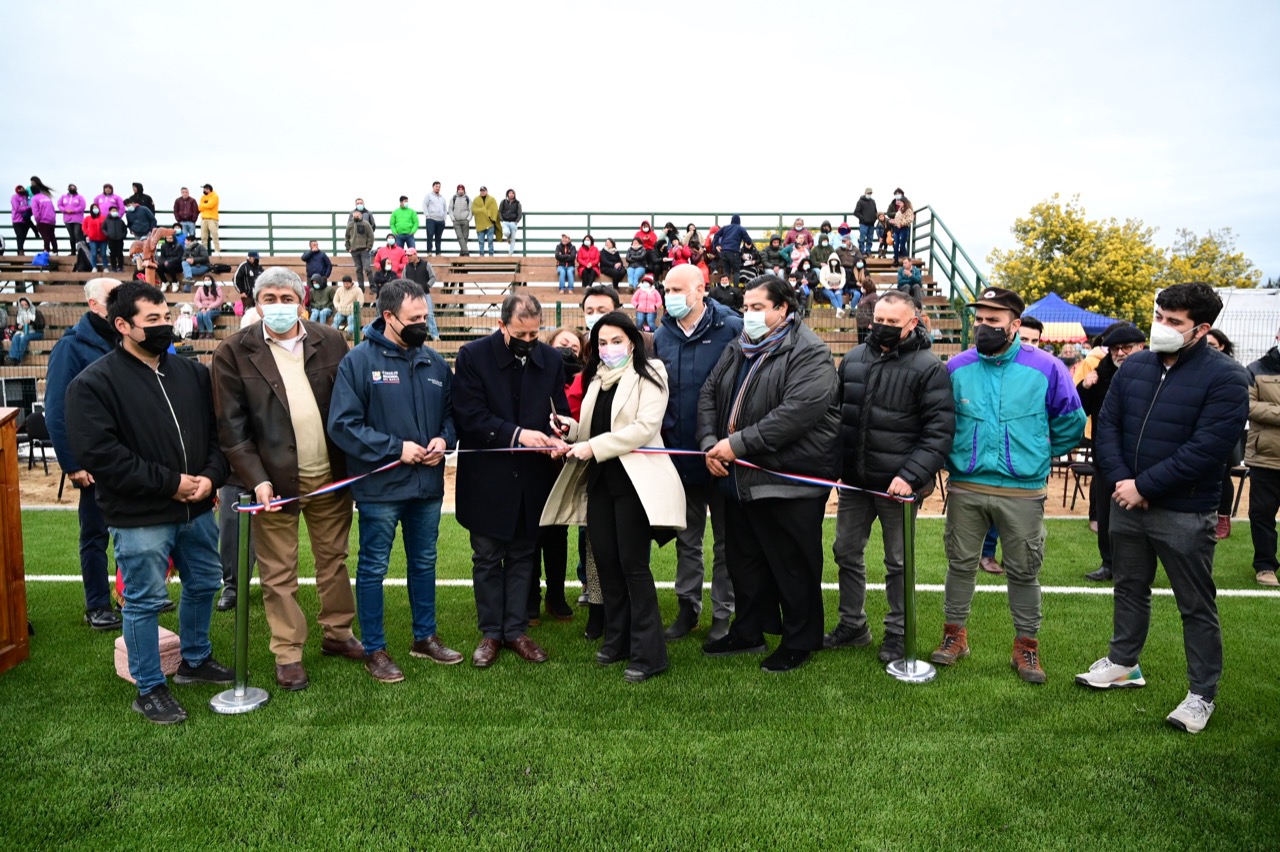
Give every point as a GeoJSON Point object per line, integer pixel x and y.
{"type": "Point", "coordinates": [1165, 111]}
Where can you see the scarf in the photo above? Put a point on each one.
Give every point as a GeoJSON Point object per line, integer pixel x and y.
{"type": "Point", "coordinates": [610, 376]}
{"type": "Point", "coordinates": [764, 349]}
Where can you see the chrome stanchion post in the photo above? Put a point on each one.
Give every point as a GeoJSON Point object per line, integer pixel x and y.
{"type": "Point", "coordinates": [241, 698]}
{"type": "Point", "coordinates": [910, 670]}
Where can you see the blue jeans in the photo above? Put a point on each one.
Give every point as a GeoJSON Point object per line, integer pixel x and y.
{"type": "Point", "coordinates": [98, 252]}
{"type": "Point", "coordinates": [321, 315]}
{"type": "Point", "coordinates": [989, 543]}
{"type": "Point", "coordinates": [900, 242]}
{"type": "Point", "coordinates": [405, 241]}
{"type": "Point", "coordinates": [18, 345]}
{"type": "Point", "coordinates": [204, 321]}
{"type": "Point", "coordinates": [347, 320]}
{"type": "Point", "coordinates": [142, 554]}
{"type": "Point", "coordinates": [853, 296]}
{"type": "Point", "coordinates": [510, 230]}
{"type": "Point", "coordinates": [482, 236]}
{"type": "Point", "coordinates": [189, 271]}
{"type": "Point", "coordinates": [435, 232]}
{"type": "Point", "coordinates": [432, 328]}
{"type": "Point", "coordinates": [188, 228]}
{"type": "Point", "coordinates": [647, 318]}
{"type": "Point", "coordinates": [565, 276]}
{"type": "Point", "coordinates": [420, 522]}
{"type": "Point", "coordinates": [864, 238]}
{"type": "Point", "coordinates": [634, 274]}
{"type": "Point", "coordinates": [834, 297]}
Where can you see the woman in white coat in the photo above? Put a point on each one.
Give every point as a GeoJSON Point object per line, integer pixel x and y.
{"type": "Point", "coordinates": [625, 498]}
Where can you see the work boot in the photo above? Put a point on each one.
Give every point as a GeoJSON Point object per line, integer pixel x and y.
{"type": "Point", "coordinates": [686, 621]}
{"type": "Point", "coordinates": [1026, 659]}
{"type": "Point", "coordinates": [955, 644]}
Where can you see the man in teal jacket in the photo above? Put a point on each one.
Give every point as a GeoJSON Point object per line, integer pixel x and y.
{"type": "Point", "coordinates": [404, 224]}
{"type": "Point", "coordinates": [1016, 409]}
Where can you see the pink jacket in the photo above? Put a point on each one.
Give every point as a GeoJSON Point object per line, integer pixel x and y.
{"type": "Point", "coordinates": [646, 301]}
{"type": "Point", "coordinates": [20, 206]}
{"type": "Point", "coordinates": [72, 207]}
{"type": "Point", "coordinates": [42, 211]}
{"type": "Point", "coordinates": [207, 303]}
{"type": "Point", "coordinates": [106, 202]}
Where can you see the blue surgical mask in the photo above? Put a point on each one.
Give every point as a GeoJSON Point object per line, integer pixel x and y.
{"type": "Point", "coordinates": [279, 318]}
{"type": "Point", "coordinates": [754, 325]}
{"type": "Point", "coordinates": [677, 305]}
{"type": "Point", "coordinates": [592, 319]}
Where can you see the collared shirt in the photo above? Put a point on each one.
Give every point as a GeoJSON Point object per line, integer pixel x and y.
{"type": "Point", "coordinates": [289, 344]}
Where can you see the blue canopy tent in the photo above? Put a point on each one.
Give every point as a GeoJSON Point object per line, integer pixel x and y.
{"type": "Point", "coordinates": [1053, 308]}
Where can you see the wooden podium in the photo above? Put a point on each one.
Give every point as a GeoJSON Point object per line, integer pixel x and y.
{"type": "Point", "coordinates": [14, 647]}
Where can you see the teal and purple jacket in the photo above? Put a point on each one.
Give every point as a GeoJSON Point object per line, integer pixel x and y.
{"type": "Point", "coordinates": [1015, 412]}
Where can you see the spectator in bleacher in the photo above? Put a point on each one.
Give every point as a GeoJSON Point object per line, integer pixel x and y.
{"type": "Point", "coordinates": [208, 301]}
{"type": "Point", "coordinates": [798, 235]}
{"type": "Point", "coordinates": [903, 217]}
{"type": "Point", "coordinates": [141, 198]}
{"type": "Point", "coordinates": [318, 263]}
{"type": "Point", "coordinates": [44, 217]}
{"type": "Point", "coordinates": [435, 207]}
{"type": "Point", "coordinates": [566, 256]}
{"type": "Point", "coordinates": [359, 241]}
{"type": "Point", "coordinates": [390, 252]}
{"type": "Point", "coordinates": [208, 204]}
{"type": "Point", "coordinates": [28, 325]}
{"type": "Point", "coordinates": [141, 421]}
{"type": "Point", "coordinates": [78, 347]}
{"type": "Point", "coordinates": [404, 224]}
{"type": "Point", "coordinates": [108, 199]}
{"type": "Point", "coordinates": [382, 276]}
{"type": "Point", "coordinates": [195, 260]}
{"type": "Point", "coordinates": [186, 210]}
{"type": "Point", "coordinates": [510, 211]}
{"type": "Point", "coordinates": [460, 216]}
{"type": "Point", "coordinates": [184, 325]}
{"type": "Point", "coordinates": [824, 249]}
{"type": "Point", "coordinates": [909, 279]}
{"type": "Point", "coordinates": [141, 219]}
{"type": "Point", "coordinates": [678, 254]}
{"type": "Point", "coordinates": [93, 226]}
{"type": "Point", "coordinates": [485, 210]}
{"type": "Point", "coordinates": [169, 263]}
{"type": "Point", "coordinates": [347, 301]}
{"type": "Point", "coordinates": [71, 206]}
{"type": "Point", "coordinates": [645, 301]}
{"type": "Point", "coordinates": [365, 213]}
{"type": "Point", "coordinates": [773, 258]}
{"type": "Point", "coordinates": [611, 263]}
{"type": "Point", "coordinates": [646, 236]}
{"type": "Point", "coordinates": [588, 261]}
{"type": "Point", "coordinates": [247, 278]}
{"type": "Point", "coordinates": [115, 231]}
{"type": "Point", "coordinates": [20, 208]}
{"type": "Point", "coordinates": [637, 255]}
{"type": "Point", "coordinates": [321, 308]}
{"type": "Point", "coordinates": [418, 270]}
{"type": "Point", "coordinates": [1069, 355]}
{"type": "Point", "coordinates": [832, 279]}
{"type": "Point", "coordinates": [865, 212]}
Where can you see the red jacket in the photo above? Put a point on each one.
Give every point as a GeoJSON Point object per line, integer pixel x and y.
{"type": "Point", "coordinates": [588, 258]}
{"type": "Point", "coordinates": [395, 254]}
{"type": "Point", "coordinates": [575, 393]}
{"type": "Point", "coordinates": [648, 240]}
{"type": "Point", "coordinates": [92, 226]}
{"type": "Point", "coordinates": [186, 209]}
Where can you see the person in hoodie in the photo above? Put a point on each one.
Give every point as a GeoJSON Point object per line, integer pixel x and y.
{"type": "Point", "coordinates": [318, 263]}
{"type": "Point", "coordinates": [390, 252]}
{"type": "Point", "coordinates": [209, 217]}
{"type": "Point", "coordinates": [611, 263]}
{"type": "Point", "coordinates": [897, 422]}
{"type": "Point", "coordinates": [435, 208]}
{"type": "Point", "coordinates": [728, 243]}
{"type": "Point", "coordinates": [20, 210]}
{"type": "Point", "coordinates": [823, 250]}
{"type": "Point", "coordinates": [141, 198]}
{"type": "Point", "coordinates": [393, 401]}
{"type": "Point", "coordinates": [647, 236]}
{"type": "Point", "coordinates": [693, 335]}
{"type": "Point", "coordinates": [865, 212]}
{"type": "Point", "coordinates": [108, 199]}
{"type": "Point", "coordinates": [774, 259]}
{"type": "Point", "coordinates": [195, 260]}
{"type": "Point", "coordinates": [460, 216]}
{"type": "Point", "coordinates": [510, 212]}
{"type": "Point", "coordinates": [115, 230]}
{"type": "Point", "coordinates": [93, 233]}
{"type": "Point", "coordinates": [141, 219]}
{"type": "Point", "coordinates": [141, 422]}
{"type": "Point", "coordinates": [645, 302]}
{"type": "Point", "coordinates": [72, 206]}
{"type": "Point", "coordinates": [637, 258]}
{"type": "Point", "coordinates": [485, 211]}
{"type": "Point", "coordinates": [186, 210]}
{"type": "Point", "coordinates": [44, 216]}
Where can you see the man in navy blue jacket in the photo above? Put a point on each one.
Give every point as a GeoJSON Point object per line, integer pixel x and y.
{"type": "Point", "coordinates": [693, 334]}
{"type": "Point", "coordinates": [508, 386]}
{"type": "Point", "coordinates": [1170, 419]}
{"type": "Point", "coordinates": [91, 338]}
{"type": "Point", "coordinates": [392, 400]}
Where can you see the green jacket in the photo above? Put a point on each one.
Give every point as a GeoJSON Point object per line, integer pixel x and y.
{"type": "Point", "coordinates": [404, 220]}
{"type": "Point", "coordinates": [485, 209]}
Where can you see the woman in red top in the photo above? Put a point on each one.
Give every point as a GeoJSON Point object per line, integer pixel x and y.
{"type": "Point", "coordinates": [646, 235]}
{"type": "Point", "coordinates": [92, 226]}
{"type": "Point", "coordinates": [588, 261]}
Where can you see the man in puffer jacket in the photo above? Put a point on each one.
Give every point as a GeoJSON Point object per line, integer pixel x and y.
{"type": "Point", "coordinates": [1171, 418]}
{"type": "Point", "coordinates": [897, 421]}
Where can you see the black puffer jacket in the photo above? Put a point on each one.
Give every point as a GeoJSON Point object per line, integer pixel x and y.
{"type": "Point", "coordinates": [897, 414]}
{"type": "Point", "coordinates": [789, 419]}
{"type": "Point", "coordinates": [865, 211]}
{"type": "Point", "coordinates": [1172, 429]}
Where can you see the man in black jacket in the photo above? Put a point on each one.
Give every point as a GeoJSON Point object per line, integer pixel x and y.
{"type": "Point", "coordinates": [865, 212]}
{"type": "Point", "coordinates": [141, 422]}
{"type": "Point", "coordinates": [419, 271]}
{"type": "Point", "coordinates": [897, 422]}
{"type": "Point", "coordinates": [1167, 425]}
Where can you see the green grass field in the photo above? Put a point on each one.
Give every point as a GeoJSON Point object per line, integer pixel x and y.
{"type": "Point", "coordinates": [715, 754]}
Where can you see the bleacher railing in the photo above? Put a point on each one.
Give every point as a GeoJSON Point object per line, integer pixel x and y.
{"type": "Point", "coordinates": [946, 259]}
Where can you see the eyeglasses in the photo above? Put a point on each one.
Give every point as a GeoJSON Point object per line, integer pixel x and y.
{"type": "Point", "coordinates": [1124, 349]}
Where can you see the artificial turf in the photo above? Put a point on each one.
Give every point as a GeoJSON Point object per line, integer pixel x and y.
{"type": "Point", "coordinates": [714, 754]}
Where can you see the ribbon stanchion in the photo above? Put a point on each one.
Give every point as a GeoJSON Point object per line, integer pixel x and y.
{"type": "Point", "coordinates": [909, 669]}
{"type": "Point", "coordinates": [241, 698]}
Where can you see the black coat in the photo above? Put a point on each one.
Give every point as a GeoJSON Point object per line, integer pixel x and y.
{"type": "Point", "coordinates": [865, 211]}
{"type": "Point", "coordinates": [897, 414]}
{"type": "Point", "coordinates": [788, 421]}
{"type": "Point", "coordinates": [1172, 429]}
{"type": "Point", "coordinates": [501, 495]}
{"type": "Point", "coordinates": [115, 228]}
{"type": "Point", "coordinates": [136, 430]}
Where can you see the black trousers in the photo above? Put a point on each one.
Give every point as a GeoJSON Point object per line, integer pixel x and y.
{"type": "Point", "coordinates": [1228, 494]}
{"type": "Point", "coordinates": [620, 537]}
{"type": "Point", "coordinates": [553, 556]}
{"type": "Point", "coordinates": [116, 250]}
{"type": "Point", "coordinates": [774, 552]}
{"type": "Point", "coordinates": [589, 277]}
{"type": "Point", "coordinates": [21, 229]}
{"type": "Point", "coordinates": [74, 234]}
{"type": "Point", "coordinates": [1100, 492]}
{"type": "Point", "coordinates": [49, 234]}
{"type": "Point", "coordinates": [501, 572]}
{"type": "Point", "coordinates": [1264, 501]}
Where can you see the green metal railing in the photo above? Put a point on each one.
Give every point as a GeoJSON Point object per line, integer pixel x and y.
{"type": "Point", "coordinates": [947, 260]}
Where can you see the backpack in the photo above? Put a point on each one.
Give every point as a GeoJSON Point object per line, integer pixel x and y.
{"type": "Point", "coordinates": [41, 259]}
{"type": "Point", "coordinates": [220, 268]}
{"type": "Point", "coordinates": [83, 262]}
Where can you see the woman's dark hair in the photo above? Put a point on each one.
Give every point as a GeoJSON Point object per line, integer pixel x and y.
{"type": "Point", "coordinates": [1228, 348]}
{"type": "Point", "coordinates": [618, 319]}
{"type": "Point", "coordinates": [777, 289]}
{"type": "Point", "coordinates": [39, 186]}
{"type": "Point", "coordinates": [608, 241]}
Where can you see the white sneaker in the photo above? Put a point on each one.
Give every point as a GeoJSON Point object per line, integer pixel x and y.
{"type": "Point", "coordinates": [839, 313]}
{"type": "Point", "coordinates": [1105, 674]}
{"type": "Point", "coordinates": [1192, 714]}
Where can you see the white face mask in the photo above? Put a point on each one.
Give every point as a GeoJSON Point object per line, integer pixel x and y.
{"type": "Point", "coordinates": [1166, 340]}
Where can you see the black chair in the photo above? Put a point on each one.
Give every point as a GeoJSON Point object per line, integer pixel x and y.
{"type": "Point", "coordinates": [35, 434]}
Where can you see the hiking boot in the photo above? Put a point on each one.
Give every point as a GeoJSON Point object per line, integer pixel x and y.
{"type": "Point", "coordinates": [845, 636]}
{"type": "Point", "coordinates": [161, 707]}
{"type": "Point", "coordinates": [990, 565]}
{"type": "Point", "coordinates": [686, 621]}
{"type": "Point", "coordinates": [380, 665]}
{"type": "Point", "coordinates": [1101, 575]}
{"type": "Point", "coordinates": [893, 648]}
{"type": "Point", "coordinates": [1026, 659]}
{"type": "Point", "coordinates": [1105, 674]}
{"type": "Point", "coordinates": [209, 671]}
{"type": "Point", "coordinates": [106, 618]}
{"type": "Point", "coordinates": [1267, 578]}
{"type": "Point", "coordinates": [955, 645]}
{"type": "Point", "coordinates": [1223, 529]}
{"type": "Point", "coordinates": [1192, 714]}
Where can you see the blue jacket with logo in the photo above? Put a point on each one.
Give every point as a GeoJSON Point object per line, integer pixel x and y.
{"type": "Point", "coordinates": [382, 397]}
{"type": "Point", "coordinates": [689, 360]}
{"type": "Point", "coordinates": [1014, 412]}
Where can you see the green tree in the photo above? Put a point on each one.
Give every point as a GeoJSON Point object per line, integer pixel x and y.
{"type": "Point", "coordinates": [1212, 259]}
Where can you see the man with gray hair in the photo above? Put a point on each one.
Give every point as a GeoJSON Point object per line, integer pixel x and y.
{"type": "Point", "coordinates": [90, 339]}
{"type": "Point", "coordinates": [508, 386]}
{"type": "Point", "coordinates": [272, 383]}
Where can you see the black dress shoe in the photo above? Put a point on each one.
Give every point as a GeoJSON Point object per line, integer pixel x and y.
{"type": "Point", "coordinates": [104, 618]}
{"type": "Point", "coordinates": [785, 660]}
{"type": "Point", "coordinates": [227, 600]}
{"type": "Point", "coordinates": [595, 622]}
{"type": "Point", "coordinates": [730, 646]}
{"type": "Point", "coordinates": [168, 606]}
{"type": "Point", "coordinates": [608, 658]}
{"type": "Point", "coordinates": [686, 621]}
{"type": "Point", "coordinates": [1102, 575]}
{"type": "Point", "coordinates": [639, 675]}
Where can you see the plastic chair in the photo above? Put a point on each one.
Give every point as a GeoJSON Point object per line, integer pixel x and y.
{"type": "Point", "coordinates": [35, 434]}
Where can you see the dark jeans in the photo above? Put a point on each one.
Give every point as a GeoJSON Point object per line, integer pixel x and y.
{"type": "Point", "coordinates": [21, 229]}
{"type": "Point", "coordinates": [1264, 502]}
{"type": "Point", "coordinates": [774, 551]}
{"type": "Point", "coordinates": [74, 234]}
{"type": "Point", "coordinates": [49, 235]}
{"type": "Point", "coordinates": [116, 249]}
{"type": "Point", "coordinates": [1100, 492]}
{"type": "Point", "coordinates": [731, 265]}
{"type": "Point", "coordinates": [620, 536]}
{"type": "Point", "coordinates": [553, 559]}
{"type": "Point", "coordinates": [1183, 542]}
{"type": "Point", "coordinates": [989, 543]}
{"type": "Point", "coordinates": [501, 572]}
{"type": "Point", "coordinates": [900, 242]}
{"type": "Point", "coordinates": [435, 233]}
{"type": "Point", "coordinates": [94, 539]}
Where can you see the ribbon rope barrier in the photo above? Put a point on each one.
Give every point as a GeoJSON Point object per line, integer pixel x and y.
{"type": "Point", "coordinates": [241, 698]}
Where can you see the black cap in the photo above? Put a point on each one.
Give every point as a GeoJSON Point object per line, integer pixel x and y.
{"type": "Point", "coordinates": [1124, 334]}
{"type": "Point", "coordinates": [1000, 299]}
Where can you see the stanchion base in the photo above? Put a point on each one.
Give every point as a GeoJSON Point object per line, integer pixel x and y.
{"type": "Point", "coordinates": [227, 702]}
{"type": "Point", "coordinates": [911, 671]}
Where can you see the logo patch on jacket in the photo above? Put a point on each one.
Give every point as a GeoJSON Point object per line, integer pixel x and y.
{"type": "Point", "coordinates": [386, 377]}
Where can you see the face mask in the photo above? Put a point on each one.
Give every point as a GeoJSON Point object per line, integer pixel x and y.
{"type": "Point", "coordinates": [130, 209]}
{"type": "Point", "coordinates": [883, 335]}
{"type": "Point", "coordinates": [592, 319]}
{"type": "Point", "coordinates": [754, 325]}
{"type": "Point", "coordinates": [990, 339]}
{"type": "Point", "coordinates": [414, 334]}
{"type": "Point", "coordinates": [645, 229]}
{"type": "Point", "coordinates": [572, 364]}
{"type": "Point", "coordinates": [280, 318]}
{"type": "Point", "coordinates": [645, 285]}
{"type": "Point", "coordinates": [93, 211]}
{"type": "Point", "coordinates": [859, 264]}
{"type": "Point", "coordinates": [677, 305]}
{"type": "Point", "coordinates": [614, 355]}
{"type": "Point", "coordinates": [360, 207]}
{"type": "Point", "coordinates": [520, 348]}
{"type": "Point", "coordinates": [587, 243]}
{"type": "Point", "coordinates": [157, 339]}
{"type": "Point", "coordinates": [71, 190]}
{"type": "Point", "coordinates": [390, 243]}
{"type": "Point", "coordinates": [897, 198]}
{"type": "Point", "coordinates": [1166, 340]}
{"type": "Point", "coordinates": [402, 206]}
{"type": "Point", "coordinates": [115, 214]}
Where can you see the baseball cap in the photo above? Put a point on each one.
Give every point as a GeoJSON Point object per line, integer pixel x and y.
{"type": "Point", "coordinates": [411, 250]}
{"type": "Point", "coordinates": [1000, 299]}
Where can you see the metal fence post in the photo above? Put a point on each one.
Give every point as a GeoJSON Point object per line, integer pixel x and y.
{"type": "Point", "coordinates": [241, 698]}
{"type": "Point", "coordinates": [910, 670]}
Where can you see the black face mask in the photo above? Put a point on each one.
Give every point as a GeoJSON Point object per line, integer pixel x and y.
{"type": "Point", "coordinates": [990, 339]}
{"type": "Point", "coordinates": [158, 339]}
{"type": "Point", "coordinates": [883, 335]}
{"type": "Point", "coordinates": [414, 334]}
{"type": "Point", "coordinates": [572, 364]}
{"type": "Point", "coordinates": [520, 348]}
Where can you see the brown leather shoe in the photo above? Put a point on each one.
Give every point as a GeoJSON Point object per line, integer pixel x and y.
{"type": "Point", "coordinates": [486, 652]}
{"type": "Point", "coordinates": [990, 565]}
{"type": "Point", "coordinates": [291, 676]}
{"type": "Point", "coordinates": [432, 648]}
{"type": "Point", "coordinates": [527, 649]}
{"type": "Point", "coordinates": [351, 647]}
{"type": "Point", "coordinates": [382, 667]}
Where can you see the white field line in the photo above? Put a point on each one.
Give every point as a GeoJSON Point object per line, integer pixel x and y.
{"type": "Point", "coordinates": [1102, 591]}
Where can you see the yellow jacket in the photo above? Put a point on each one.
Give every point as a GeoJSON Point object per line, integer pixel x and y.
{"type": "Point", "coordinates": [208, 205]}
{"type": "Point", "coordinates": [485, 209]}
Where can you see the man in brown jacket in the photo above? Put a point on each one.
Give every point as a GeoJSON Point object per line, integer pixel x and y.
{"type": "Point", "coordinates": [272, 383]}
